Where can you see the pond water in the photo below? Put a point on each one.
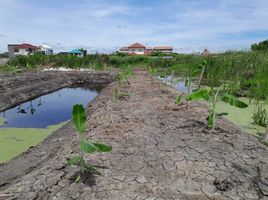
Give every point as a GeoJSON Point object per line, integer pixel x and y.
{"type": "Point", "coordinates": [47, 110]}
{"type": "Point", "coordinates": [178, 83]}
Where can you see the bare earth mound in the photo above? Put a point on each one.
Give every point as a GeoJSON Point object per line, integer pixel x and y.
{"type": "Point", "coordinates": [158, 153]}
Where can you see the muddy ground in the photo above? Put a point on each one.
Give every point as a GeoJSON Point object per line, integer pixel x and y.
{"type": "Point", "coordinates": [158, 153]}
{"type": "Point", "coordinates": [18, 88]}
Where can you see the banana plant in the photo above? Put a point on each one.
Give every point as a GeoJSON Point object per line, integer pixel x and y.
{"type": "Point", "coordinates": [208, 94]}
{"type": "Point", "coordinates": [86, 146]}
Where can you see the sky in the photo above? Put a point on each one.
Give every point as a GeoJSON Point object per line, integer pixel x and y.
{"type": "Point", "coordinates": [106, 25]}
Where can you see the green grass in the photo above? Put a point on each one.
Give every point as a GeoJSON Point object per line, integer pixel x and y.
{"type": "Point", "coordinates": [14, 141]}
{"type": "Point", "coordinates": [242, 117]}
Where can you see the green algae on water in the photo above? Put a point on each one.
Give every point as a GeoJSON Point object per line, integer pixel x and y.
{"type": "Point", "coordinates": [242, 117]}
{"type": "Point", "coordinates": [14, 141]}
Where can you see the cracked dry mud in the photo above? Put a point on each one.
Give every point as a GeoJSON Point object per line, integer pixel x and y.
{"type": "Point", "coordinates": [158, 153]}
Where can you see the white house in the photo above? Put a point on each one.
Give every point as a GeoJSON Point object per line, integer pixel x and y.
{"type": "Point", "coordinates": [27, 49]}
{"type": "Point", "coordinates": [139, 49]}
{"type": "Point", "coordinates": [47, 50]}
{"type": "Point", "coordinates": [24, 49]}
{"type": "Point", "coordinates": [136, 48]}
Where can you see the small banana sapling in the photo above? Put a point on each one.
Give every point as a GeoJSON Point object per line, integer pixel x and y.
{"type": "Point", "coordinates": [212, 96]}
{"type": "Point", "coordinates": [86, 146]}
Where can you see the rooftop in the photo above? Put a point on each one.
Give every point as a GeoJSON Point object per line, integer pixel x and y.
{"type": "Point", "coordinates": [136, 45]}
{"type": "Point", "coordinates": [77, 51]}
{"type": "Point", "coordinates": [26, 46]}
{"type": "Point", "coordinates": [163, 47]}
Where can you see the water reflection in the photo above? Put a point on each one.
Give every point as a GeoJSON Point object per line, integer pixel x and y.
{"type": "Point", "coordinates": [177, 83]}
{"type": "Point", "coordinates": [48, 109]}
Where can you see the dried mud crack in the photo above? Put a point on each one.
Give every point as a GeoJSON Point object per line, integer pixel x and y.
{"type": "Point", "coordinates": [158, 153]}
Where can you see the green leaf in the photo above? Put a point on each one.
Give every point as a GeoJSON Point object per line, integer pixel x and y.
{"type": "Point", "coordinates": [102, 147]}
{"type": "Point", "coordinates": [211, 119]}
{"type": "Point", "coordinates": [203, 93]}
{"type": "Point", "coordinates": [91, 169]}
{"type": "Point", "coordinates": [76, 160]}
{"type": "Point", "coordinates": [233, 101]}
{"type": "Point", "coordinates": [78, 178]}
{"type": "Point", "coordinates": [187, 82]}
{"type": "Point", "coordinates": [87, 146]}
{"type": "Point", "coordinates": [178, 99]}
{"type": "Point", "coordinates": [79, 118]}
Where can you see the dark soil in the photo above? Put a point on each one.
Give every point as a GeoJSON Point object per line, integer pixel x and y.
{"type": "Point", "coordinates": [158, 153]}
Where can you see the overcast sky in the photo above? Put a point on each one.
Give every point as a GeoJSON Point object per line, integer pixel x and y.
{"type": "Point", "coordinates": [188, 25]}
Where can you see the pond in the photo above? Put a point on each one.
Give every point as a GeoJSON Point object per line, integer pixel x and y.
{"type": "Point", "coordinates": [30, 123]}
{"type": "Point", "coordinates": [47, 110]}
{"type": "Point", "coordinates": [178, 83]}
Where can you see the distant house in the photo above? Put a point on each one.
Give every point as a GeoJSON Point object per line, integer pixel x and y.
{"type": "Point", "coordinates": [149, 50]}
{"type": "Point", "coordinates": [139, 49]}
{"type": "Point", "coordinates": [77, 52]}
{"type": "Point", "coordinates": [123, 50]}
{"type": "Point", "coordinates": [21, 49]}
{"type": "Point", "coordinates": [163, 49]}
{"type": "Point", "coordinates": [46, 50]}
{"type": "Point", "coordinates": [136, 48]}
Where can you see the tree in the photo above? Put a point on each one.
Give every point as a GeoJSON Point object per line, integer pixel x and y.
{"type": "Point", "coordinates": [261, 46]}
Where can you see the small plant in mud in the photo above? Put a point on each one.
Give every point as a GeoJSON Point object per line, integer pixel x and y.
{"type": "Point", "coordinates": [260, 116]}
{"type": "Point", "coordinates": [178, 99]}
{"type": "Point", "coordinates": [152, 71]}
{"type": "Point", "coordinates": [86, 146]}
{"type": "Point", "coordinates": [212, 96]}
{"type": "Point", "coordinates": [123, 76]}
{"type": "Point", "coordinates": [119, 94]}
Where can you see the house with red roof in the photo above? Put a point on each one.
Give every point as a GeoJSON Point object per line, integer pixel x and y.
{"type": "Point", "coordinates": [136, 48]}
{"type": "Point", "coordinates": [21, 49]}
{"type": "Point", "coordinates": [140, 49]}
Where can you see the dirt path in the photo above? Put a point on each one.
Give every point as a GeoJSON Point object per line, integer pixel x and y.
{"type": "Point", "coordinates": [158, 153]}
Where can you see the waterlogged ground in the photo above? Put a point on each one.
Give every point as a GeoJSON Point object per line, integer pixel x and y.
{"type": "Point", "coordinates": [14, 141]}
{"type": "Point", "coordinates": [30, 123]}
{"type": "Point", "coordinates": [160, 151]}
{"type": "Point", "coordinates": [242, 117]}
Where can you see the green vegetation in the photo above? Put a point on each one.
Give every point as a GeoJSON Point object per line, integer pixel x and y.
{"type": "Point", "coordinates": [260, 116]}
{"type": "Point", "coordinates": [95, 61]}
{"type": "Point", "coordinates": [242, 117]}
{"type": "Point", "coordinates": [22, 139]}
{"type": "Point", "coordinates": [261, 46]}
{"type": "Point", "coordinates": [86, 146]}
{"type": "Point", "coordinates": [178, 99]}
{"type": "Point", "coordinates": [210, 95]}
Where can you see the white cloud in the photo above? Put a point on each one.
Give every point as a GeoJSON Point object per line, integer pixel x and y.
{"type": "Point", "coordinates": [189, 25]}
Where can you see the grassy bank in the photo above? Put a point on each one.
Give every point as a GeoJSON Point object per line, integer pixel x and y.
{"type": "Point", "coordinates": [14, 141]}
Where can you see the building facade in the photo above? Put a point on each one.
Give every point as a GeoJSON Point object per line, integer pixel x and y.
{"type": "Point", "coordinates": [139, 49]}
{"type": "Point", "coordinates": [27, 49]}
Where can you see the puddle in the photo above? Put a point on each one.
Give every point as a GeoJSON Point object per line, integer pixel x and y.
{"type": "Point", "coordinates": [47, 110]}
